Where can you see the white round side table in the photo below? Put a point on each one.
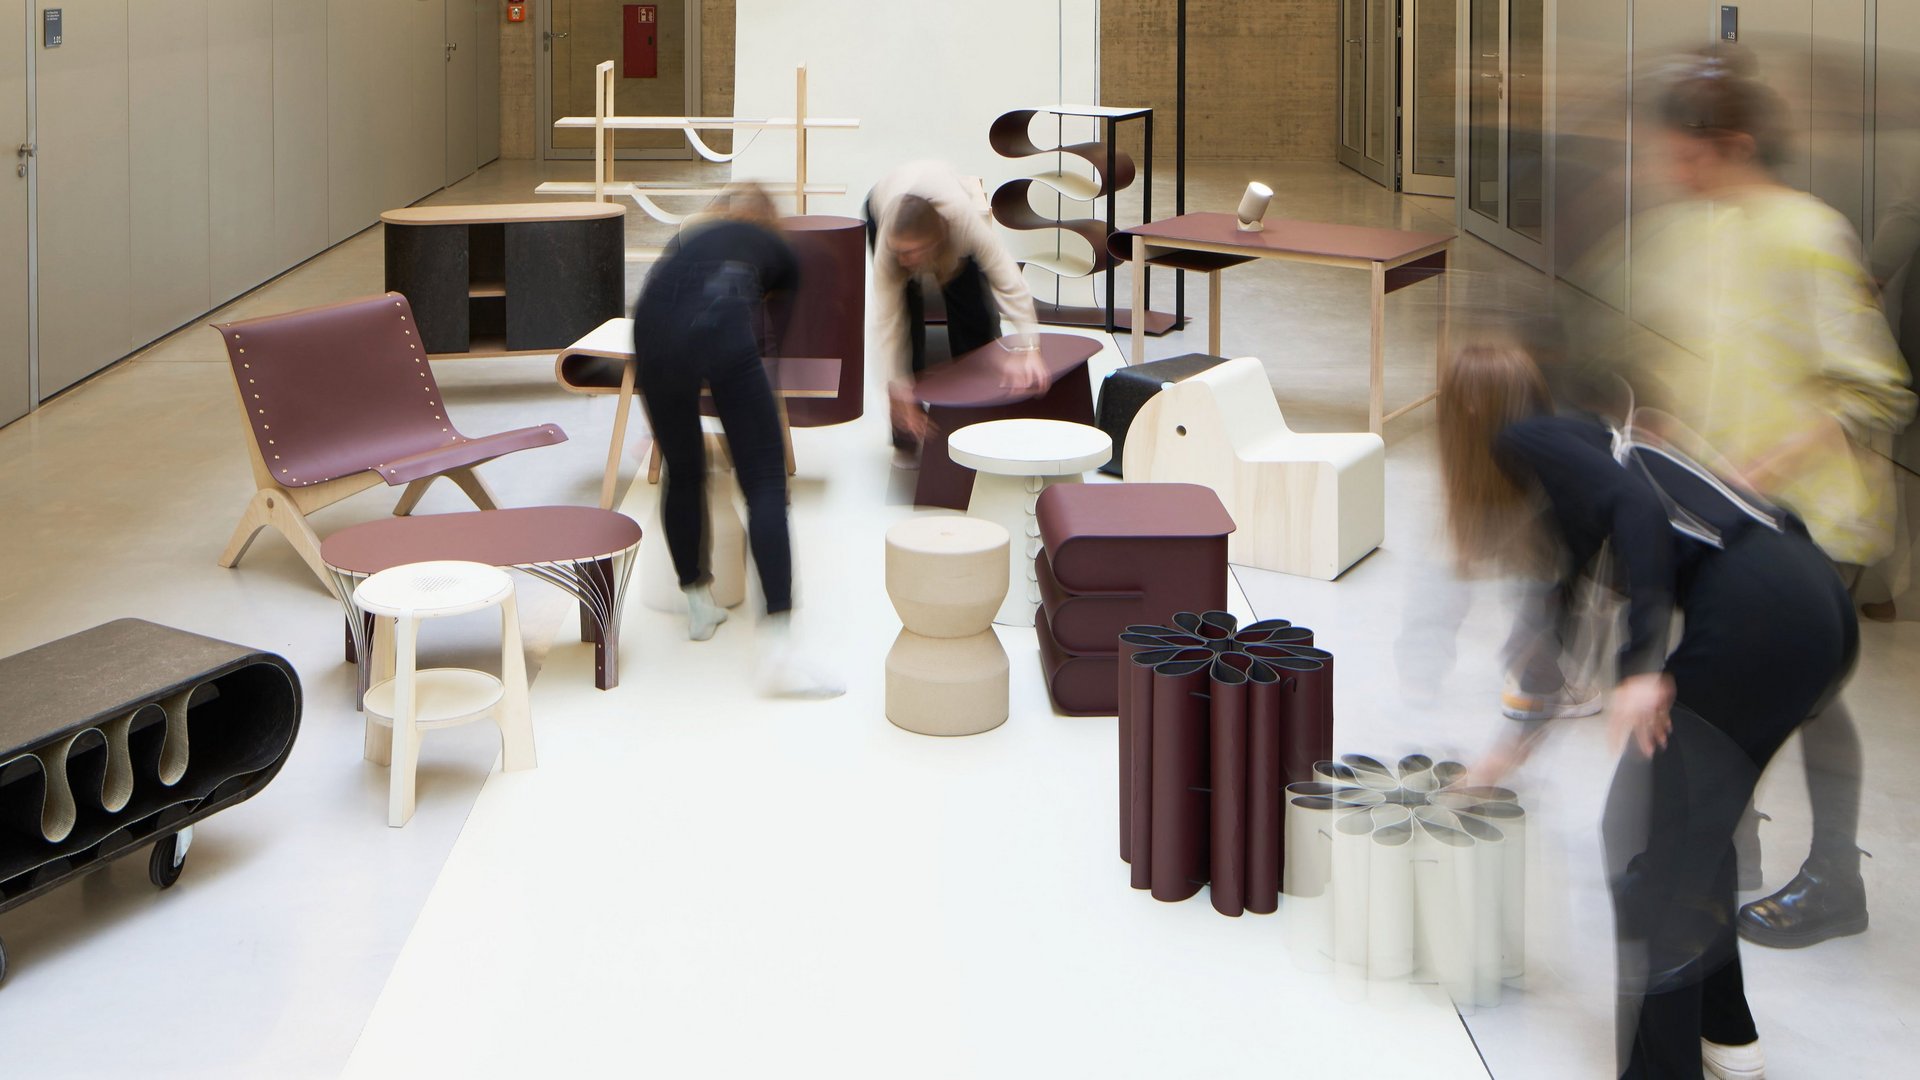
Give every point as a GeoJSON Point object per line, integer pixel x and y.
{"type": "Point", "coordinates": [414, 700]}
{"type": "Point", "coordinates": [1015, 461]}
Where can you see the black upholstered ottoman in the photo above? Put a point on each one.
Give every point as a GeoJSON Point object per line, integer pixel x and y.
{"type": "Point", "coordinates": [1123, 393]}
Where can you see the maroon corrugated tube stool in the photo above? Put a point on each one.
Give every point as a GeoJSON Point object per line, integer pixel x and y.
{"type": "Point", "coordinates": [1215, 721]}
{"type": "Point", "coordinates": [1112, 556]}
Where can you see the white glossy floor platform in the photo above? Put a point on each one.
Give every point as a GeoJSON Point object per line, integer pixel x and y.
{"type": "Point", "coordinates": [697, 882]}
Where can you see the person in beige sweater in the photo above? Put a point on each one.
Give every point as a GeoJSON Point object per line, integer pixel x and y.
{"type": "Point", "coordinates": [927, 233]}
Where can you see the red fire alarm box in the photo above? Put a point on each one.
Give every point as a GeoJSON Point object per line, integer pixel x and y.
{"type": "Point", "coordinates": [640, 25]}
{"type": "Point", "coordinates": [516, 13]}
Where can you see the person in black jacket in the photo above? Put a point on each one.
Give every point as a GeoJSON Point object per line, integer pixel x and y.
{"type": "Point", "coordinates": [702, 322]}
{"type": "Point", "coordinates": [1769, 637]}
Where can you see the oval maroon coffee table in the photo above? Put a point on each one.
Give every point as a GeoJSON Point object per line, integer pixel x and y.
{"type": "Point", "coordinates": [586, 551]}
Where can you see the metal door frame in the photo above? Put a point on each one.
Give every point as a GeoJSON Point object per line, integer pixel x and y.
{"type": "Point", "coordinates": [543, 94]}
{"type": "Point", "coordinates": [1380, 172]}
{"type": "Point", "coordinates": [1413, 182]}
{"type": "Point", "coordinates": [1535, 253]}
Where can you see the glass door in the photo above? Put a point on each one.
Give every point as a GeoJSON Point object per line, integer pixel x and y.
{"type": "Point", "coordinates": [1504, 189]}
{"type": "Point", "coordinates": [1369, 132]}
{"type": "Point", "coordinates": [1428, 122]}
{"type": "Point", "coordinates": [655, 49]}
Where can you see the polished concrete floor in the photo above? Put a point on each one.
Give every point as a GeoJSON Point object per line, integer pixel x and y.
{"type": "Point", "coordinates": [700, 882]}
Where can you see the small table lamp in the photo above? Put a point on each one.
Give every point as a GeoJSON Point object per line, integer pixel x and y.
{"type": "Point", "coordinates": [1253, 206]}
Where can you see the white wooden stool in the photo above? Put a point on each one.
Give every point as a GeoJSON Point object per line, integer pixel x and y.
{"type": "Point", "coordinates": [1015, 461]}
{"type": "Point", "coordinates": [946, 672]}
{"type": "Point", "coordinates": [412, 700]}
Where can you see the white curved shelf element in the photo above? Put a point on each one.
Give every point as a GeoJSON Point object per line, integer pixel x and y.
{"type": "Point", "coordinates": [704, 123]}
{"type": "Point", "coordinates": [1072, 185]}
{"type": "Point", "coordinates": [1065, 264]}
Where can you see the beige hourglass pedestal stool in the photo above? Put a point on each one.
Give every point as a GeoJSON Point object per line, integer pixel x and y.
{"type": "Point", "coordinates": [1016, 460]}
{"type": "Point", "coordinates": [946, 672]}
{"type": "Point", "coordinates": [414, 700]}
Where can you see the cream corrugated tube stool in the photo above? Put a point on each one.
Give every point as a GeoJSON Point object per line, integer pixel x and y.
{"type": "Point", "coordinates": [412, 700]}
{"type": "Point", "coordinates": [946, 673]}
{"type": "Point", "coordinates": [1014, 461]}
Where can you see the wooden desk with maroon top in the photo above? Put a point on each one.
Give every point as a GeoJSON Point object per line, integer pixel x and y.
{"type": "Point", "coordinates": [1212, 242]}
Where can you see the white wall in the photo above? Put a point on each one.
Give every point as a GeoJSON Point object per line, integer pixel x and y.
{"type": "Point", "coordinates": [934, 99]}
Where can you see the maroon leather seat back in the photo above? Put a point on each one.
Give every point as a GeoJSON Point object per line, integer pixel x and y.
{"type": "Point", "coordinates": [335, 390]}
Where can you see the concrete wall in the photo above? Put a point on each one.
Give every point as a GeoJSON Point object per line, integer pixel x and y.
{"type": "Point", "coordinates": [1261, 77]}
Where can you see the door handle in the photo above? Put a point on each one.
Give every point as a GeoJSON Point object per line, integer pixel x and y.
{"type": "Point", "coordinates": [452, 47]}
{"type": "Point", "coordinates": [549, 37]}
{"type": "Point", "coordinates": [26, 150]}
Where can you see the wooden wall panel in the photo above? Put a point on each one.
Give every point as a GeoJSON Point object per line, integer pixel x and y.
{"type": "Point", "coordinates": [167, 56]}
{"type": "Point", "coordinates": [428, 66]}
{"type": "Point", "coordinates": [85, 264]}
{"type": "Point", "coordinates": [15, 379]}
{"type": "Point", "coordinates": [356, 158]}
{"type": "Point", "coordinates": [240, 100]}
{"type": "Point", "coordinates": [300, 162]}
{"type": "Point", "coordinates": [489, 17]}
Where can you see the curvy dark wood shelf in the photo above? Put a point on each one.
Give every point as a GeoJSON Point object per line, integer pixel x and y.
{"type": "Point", "coordinates": [128, 733]}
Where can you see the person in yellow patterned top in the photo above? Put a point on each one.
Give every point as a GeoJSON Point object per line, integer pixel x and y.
{"type": "Point", "coordinates": [1801, 392]}
{"type": "Point", "coordinates": [1803, 382]}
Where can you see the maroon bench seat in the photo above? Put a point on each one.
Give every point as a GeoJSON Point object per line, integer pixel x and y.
{"type": "Point", "coordinates": [1113, 556]}
{"type": "Point", "coordinates": [970, 390]}
{"type": "Point", "coordinates": [586, 551]}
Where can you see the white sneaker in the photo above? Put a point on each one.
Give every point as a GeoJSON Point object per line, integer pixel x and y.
{"type": "Point", "coordinates": [786, 670]}
{"type": "Point", "coordinates": [704, 616]}
{"type": "Point", "coordinates": [1733, 1062]}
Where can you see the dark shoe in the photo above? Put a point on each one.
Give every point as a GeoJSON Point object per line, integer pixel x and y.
{"type": "Point", "coordinates": [1816, 905]}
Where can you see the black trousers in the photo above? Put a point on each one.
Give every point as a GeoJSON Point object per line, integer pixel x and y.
{"type": "Point", "coordinates": [718, 349]}
{"type": "Point", "coordinates": [1770, 636]}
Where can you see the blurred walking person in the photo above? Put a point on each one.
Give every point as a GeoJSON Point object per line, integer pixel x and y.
{"type": "Point", "coordinates": [702, 323]}
{"type": "Point", "coordinates": [1805, 388]}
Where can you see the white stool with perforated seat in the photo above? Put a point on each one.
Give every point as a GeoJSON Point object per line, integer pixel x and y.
{"type": "Point", "coordinates": [1014, 461]}
{"type": "Point", "coordinates": [413, 700]}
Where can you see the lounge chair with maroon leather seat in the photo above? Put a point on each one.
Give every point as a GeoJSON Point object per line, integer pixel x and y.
{"type": "Point", "coordinates": [340, 398]}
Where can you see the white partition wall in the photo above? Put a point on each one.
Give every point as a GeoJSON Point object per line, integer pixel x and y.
{"type": "Point", "coordinates": [925, 78]}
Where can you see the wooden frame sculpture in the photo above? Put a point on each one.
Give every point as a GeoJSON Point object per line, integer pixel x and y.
{"type": "Point", "coordinates": [605, 122]}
